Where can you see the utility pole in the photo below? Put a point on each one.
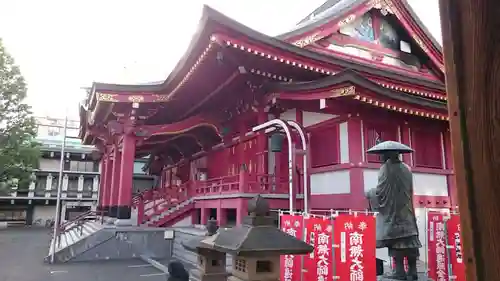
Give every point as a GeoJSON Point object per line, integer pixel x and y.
{"type": "Point", "coordinates": [59, 190]}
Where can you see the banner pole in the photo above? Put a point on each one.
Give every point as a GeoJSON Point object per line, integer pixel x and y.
{"type": "Point", "coordinates": [334, 267]}
{"type": "Point", "coordinates": [426, 250]}
{"type": "Point", "coordinates": [279, 219]}
{"type": "Point", "coordinates": [304, 235]}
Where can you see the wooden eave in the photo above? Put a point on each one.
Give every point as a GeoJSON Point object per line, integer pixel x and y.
{"type": "Point", "coordinates": [328, 87]}
{"type": "Point", "coordinates": [213, 24]}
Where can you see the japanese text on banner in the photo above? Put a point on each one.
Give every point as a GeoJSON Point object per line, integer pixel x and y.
{"type": "Point", "coordinates": [319, 262]}
{"type": "Point", "coordinates": [456, 249]}
{"type": "Point", "coordinates": [355, 245]}
{"type": "Point", "coordinates": [437, 255]}
{"type": "Point", "coordinates": [291, 264]}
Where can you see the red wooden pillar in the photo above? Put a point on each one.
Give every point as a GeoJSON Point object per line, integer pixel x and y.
{"type": "Point", "coordinates": [102, 173]}
{"type": "Point", "coordinates": [115, 182]}
{"type": "Point", "coordinates": [241, 211]}
{"type": "Point", "coordinates": [107, 176]}
{"type": "Point", "coordinates": [406, 139]}
{"type": "Point", "coordinates": [221, 216]}
{"type": "Point", "coordinates": [203, 215]}
{"type": "Point", "coordinates": [262, 144]}
{"type": "Point", "coordinates": [242, 162]}
{"type": "Point", "coordinates": [354, 136]}
{"type": "Point", "coordinates": [124, 202]}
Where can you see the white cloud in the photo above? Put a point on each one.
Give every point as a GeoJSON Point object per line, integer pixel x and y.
{"type": "Point", "coordinates": [64, 45]}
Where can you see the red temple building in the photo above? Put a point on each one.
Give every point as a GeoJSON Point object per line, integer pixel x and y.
{"type": "Point", "coordinates": [353, 73]}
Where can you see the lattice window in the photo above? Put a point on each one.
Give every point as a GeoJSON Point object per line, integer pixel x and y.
{"type": "Point", "coordinates": [427, 144]}
{"type": "Point", "coordinates": [325, 146]}
{"type": "Point", "coordinates": [240, 265]}
{"type": "Point", "coordinates": [376, 133]}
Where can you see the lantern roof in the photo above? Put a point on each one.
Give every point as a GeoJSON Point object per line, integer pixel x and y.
{"type": "Point", "coordinates": [258, 236]}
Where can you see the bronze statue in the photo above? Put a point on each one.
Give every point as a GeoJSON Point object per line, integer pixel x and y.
{"type": "Point", "coordinates": [393, 200]}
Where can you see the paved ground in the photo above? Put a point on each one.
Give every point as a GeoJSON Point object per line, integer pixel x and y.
{"type": "Point", "coordinates": [22, 251]}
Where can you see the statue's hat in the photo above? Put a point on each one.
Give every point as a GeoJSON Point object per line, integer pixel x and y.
{"type": "Point", "coordinates": [389, 146]}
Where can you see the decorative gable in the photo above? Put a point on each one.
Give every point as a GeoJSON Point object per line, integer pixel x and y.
{"type": "Point", "coordinates": [381, 31]}
{"type": "Point", "coordinates": [379, 38]}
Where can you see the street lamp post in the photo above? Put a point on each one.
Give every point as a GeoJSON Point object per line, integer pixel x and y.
{"type": "Point", "coordinates": [58, 198]}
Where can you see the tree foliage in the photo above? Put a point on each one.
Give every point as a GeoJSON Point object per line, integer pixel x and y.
{"type": "Point", "coordinates": [19, 152]}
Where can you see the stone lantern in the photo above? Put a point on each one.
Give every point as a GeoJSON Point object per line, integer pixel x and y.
{"type": "Point", "coordinates": [211, 264]}
{"type": "Point", "coordinates": [257, 244]}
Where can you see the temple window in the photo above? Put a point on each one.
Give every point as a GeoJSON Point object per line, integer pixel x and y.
{"type": "Point", "coordinates": [264, 267]}
{"type": "Point", "coordinates": [427, 144]}
{"type": "Point", "coordinates": [324, 143]}
{"type": "Point", "coordinates": [376, 133]}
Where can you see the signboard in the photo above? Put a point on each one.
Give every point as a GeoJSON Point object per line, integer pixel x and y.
{"type": "Point", "coordinates": [436, 244]}
{"type": "Point", "coordinates": [319, 234]}
{"type": "Point", "coordinates": [290, 264]}
{"type": "Point", "coordinates": [355, 247]}
{"type": "Point", "coordinates": [455, 248]}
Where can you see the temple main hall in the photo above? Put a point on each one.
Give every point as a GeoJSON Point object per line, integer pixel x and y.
{"type": "Point", "coordinates": [351, 74]}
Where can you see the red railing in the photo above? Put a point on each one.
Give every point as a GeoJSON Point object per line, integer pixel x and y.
{"type": "Point", "coordinates": [155, 201]}
{"type": "Point", "coordinates": [217, 186]}
{"type": "Point", "coordinates": [267, 184]}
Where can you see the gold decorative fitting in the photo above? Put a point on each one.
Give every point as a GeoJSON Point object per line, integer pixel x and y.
{"type": "Point", "coordinates": [277, 58]}
{"type": "Point", "coordinates": [107, 97]}
{"type": "Point", "coordinates": [307, 40]}
{"type": "Point", "coordinates": [400, 109]}
{"type": "Point", "coordinates": [342, 92]}
{"type": "Point", "coordinates": [411, 91]}
{"type": "Point", "coordinates": [347, 20]}
{"type": "Point", "coordinates": [136, 99]}
{"type": "Point", "coordinates": [385, 6]}
{"type": "Point", "coordinates": [160, 98]}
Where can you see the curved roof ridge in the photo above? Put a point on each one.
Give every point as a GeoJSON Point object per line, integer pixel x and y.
{"type": "Point", "coordinates": [337, 9]}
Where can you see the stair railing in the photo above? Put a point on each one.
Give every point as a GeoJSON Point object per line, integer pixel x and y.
{"type": "Point", "coordinates": [155, 201]}
{"type": "Point", "coordinates": [76, 222]}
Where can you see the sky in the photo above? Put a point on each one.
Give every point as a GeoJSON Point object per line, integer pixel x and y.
{"type": "Point", "coordinates": [62, 46]}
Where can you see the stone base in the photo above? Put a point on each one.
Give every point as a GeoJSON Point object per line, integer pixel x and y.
{"type": "Point", "coordinates": [197, 275]}
{"type": "Point", "coordinates": [109, 221]}
{"type": "Point", "coordinates": [123, 212]}
{"type": "Point", "coordinates": [123, 222]}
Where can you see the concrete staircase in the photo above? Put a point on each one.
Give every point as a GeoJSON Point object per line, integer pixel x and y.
{"type": "Point", "coordinates": [93, 241]}
{"type": "Point", "coordinates": [74, 240]}
{"type": "Point", "coordinates": [170, 214]}
{"type": "Point", "coordinates": [74, 234]}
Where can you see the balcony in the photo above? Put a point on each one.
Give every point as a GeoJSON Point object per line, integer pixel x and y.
{"type": "Point", "coordinates": [152, 203]}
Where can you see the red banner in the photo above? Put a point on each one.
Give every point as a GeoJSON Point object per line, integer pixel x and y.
{"type": "Point", "coordinates": [318, 233]}
{"type": "Point", "coordinates": [436, 245]}
{"type": "Point", "coordinates": [455, 249]}
{"type": "Point", "coordinates": [355, 247]}
{"type": "Point", "coordinates": [291, 264]}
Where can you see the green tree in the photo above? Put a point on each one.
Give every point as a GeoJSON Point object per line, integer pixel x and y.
{"type": "Point", "coordinates": [19, 152]}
